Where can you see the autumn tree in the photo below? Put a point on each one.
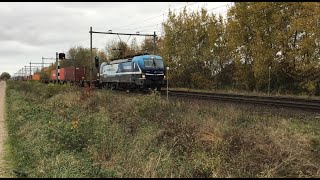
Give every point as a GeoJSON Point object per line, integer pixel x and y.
{"type": "Point", "coordinates": [281, 35]}
{"type": "Point", "coordinates": [195, 48]}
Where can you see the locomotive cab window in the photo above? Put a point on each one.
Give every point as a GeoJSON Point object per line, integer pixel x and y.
{"type": "Point", "coordinates": [153, 63]}
{"type": "Point", "coordinates": [135, 67]}
{"type": "Point", "coordinates": [125, 67]}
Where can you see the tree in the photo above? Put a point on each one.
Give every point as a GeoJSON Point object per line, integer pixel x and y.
{"type": "Point", "coordinates": [134, 47]}
{"type": "Point", "coordinates": [5, 76]}
{"type": "Point", "coordinates": [117, 49]}
{"type": "Point", "coordinates": [283, 35]}
{"type": "Point", "coordinates": [195, 48]}
{"type": "Point", "coordinates": [147, 45]}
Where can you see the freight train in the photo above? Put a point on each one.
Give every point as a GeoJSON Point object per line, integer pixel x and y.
{"type": "Point", "coordinates": [137, 72]}
{"type": "Point", "coordinates": [35, 76]}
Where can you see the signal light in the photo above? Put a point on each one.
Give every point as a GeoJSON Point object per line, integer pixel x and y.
{"type": "Point", "coordinates": [96, 61]}
{"type": "Point", "coordinates": [62, 56]}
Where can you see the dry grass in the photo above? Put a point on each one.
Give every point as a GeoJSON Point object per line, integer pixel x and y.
{"type": "Point", "coordinates": [113, 135]}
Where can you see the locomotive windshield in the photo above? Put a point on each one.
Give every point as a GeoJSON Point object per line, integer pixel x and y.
{"type": "Point", "coordinates": [153, 63]}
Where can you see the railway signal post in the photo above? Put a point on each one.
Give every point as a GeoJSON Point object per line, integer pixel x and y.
{"type": "Point", "coordinates": [57, 56]}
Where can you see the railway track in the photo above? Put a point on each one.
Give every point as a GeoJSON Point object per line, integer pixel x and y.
{"type": "Point", "coordinates": [287, 102]}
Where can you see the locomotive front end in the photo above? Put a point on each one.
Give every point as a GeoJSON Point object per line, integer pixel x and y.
{"type": "Point", "coordinates": [153, 71]}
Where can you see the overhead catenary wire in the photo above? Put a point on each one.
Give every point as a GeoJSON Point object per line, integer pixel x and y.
{"type": "Point", "coordinates": [144, 21]}
{"type": "Point", "coordinates": [117, 28]}
{"type": "Point", "coordinates": [81, 42]}
{"type": "Point", "coordinates": [180, 8]}
{"type": "Point", "coordinates": [138, 29]}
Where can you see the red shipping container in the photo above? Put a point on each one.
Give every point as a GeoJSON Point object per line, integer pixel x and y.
{"type": "Point", "coordinates": [69, 74]}
{"type": "Point", "coordinates": [74, 73]}
{"type": "Point", "coordinates": [80, 73]}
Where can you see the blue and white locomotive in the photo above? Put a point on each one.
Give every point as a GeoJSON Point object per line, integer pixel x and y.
{"type": "Point", "coordinates": [137, 72]}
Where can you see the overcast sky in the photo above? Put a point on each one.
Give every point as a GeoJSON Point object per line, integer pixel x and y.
{"type": "Point", "coordinates": [32, 30]}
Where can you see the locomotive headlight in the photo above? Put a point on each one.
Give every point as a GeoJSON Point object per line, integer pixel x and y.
{"type": "Point", "coordinates": [143, 76]}
{"type": "Point", "coordinates": [164, 77]}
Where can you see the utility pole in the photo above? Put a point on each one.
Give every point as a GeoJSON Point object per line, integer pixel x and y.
{"type": "Point", "coordinates": [167, 83]}
{"type": "Point", "coordinates": [269, 81]}
{"type": "Point", "coordinates": [30, 69]}
{"type": "Point", "coordinates": [154, 43]}
{"type": "Point", "coordinates": [25, 72]}
{"type": "Point", "coordinates": [90, 61]}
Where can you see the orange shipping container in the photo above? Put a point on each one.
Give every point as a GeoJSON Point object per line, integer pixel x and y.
{"type": "Point", "coordinates": [61, 74]}
{"type": "Point", "coordinates": [53, 75]}
{"type": "Point", "coordinates": [36, 77]}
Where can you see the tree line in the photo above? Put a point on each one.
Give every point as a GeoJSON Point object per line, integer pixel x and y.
{"type": "Point", "coordinates": [257, 42]}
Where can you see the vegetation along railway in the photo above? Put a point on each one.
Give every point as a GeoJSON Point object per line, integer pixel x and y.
{"type": "Point", "coordinates": [143, 72]}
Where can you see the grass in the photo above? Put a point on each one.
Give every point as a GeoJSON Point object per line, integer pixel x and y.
{"type": "Point", "coordinates": [60, 131]}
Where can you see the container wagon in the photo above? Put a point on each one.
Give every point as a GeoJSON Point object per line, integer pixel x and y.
{"type": "Point", "coordinates": [69, 75]}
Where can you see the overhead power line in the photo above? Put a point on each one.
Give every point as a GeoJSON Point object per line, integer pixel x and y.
{"type": "Point", "coordinates": [148, 18]}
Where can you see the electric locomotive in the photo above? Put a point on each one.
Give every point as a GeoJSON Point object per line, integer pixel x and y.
{"type": "Point", "coordinates": [142, 71]}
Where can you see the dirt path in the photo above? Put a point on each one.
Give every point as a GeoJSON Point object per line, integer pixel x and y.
{"type": "Point", "coordinates": [3, 132]}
